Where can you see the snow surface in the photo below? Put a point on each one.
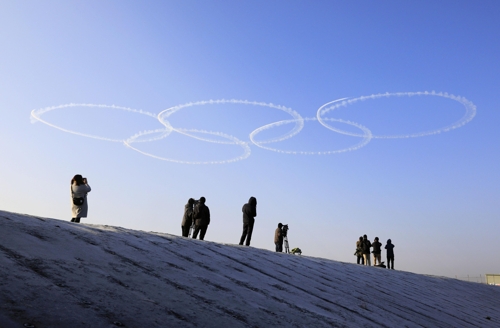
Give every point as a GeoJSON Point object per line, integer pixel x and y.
{"type": "Point", "coordinates": [60, 274]}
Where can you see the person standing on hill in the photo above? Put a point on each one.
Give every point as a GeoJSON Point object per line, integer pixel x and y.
{"type": "Point", "coordinates": [376, 251]}
{"type": "Point", "coordinates": [366, 250]}
{"type": "Point", "coordinates": [249, 213]}
{"type": "Point", "coordinates": [187, 219]}
{"type": "Point", "coordinates": [201, 216]}
{"type": "Point", "coordinates": [79, 190]}
{"type": "Point", "coordinates": [278, 238]}
{"type": "Point", "coordinates": [390, 254]}
{"type": "Point", "coordinates": [359, 251]}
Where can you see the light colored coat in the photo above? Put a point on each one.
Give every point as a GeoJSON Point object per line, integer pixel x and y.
{"type": "Point", "coordinates": [278, 236]}
{"type": "Point", "coordinates": [80, 191]}
{"type": "Point", "coordinates": [187, 219]}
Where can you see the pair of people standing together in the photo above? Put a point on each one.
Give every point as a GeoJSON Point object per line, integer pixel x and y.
{"type": "Point", "coordinates": [198, 213]}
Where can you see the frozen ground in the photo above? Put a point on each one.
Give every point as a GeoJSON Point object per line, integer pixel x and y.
{"type": "Point", "coordinates": [55, 273]}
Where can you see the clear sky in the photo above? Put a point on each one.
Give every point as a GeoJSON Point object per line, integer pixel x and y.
{"type": "Point", "coordinates": [436, 196]}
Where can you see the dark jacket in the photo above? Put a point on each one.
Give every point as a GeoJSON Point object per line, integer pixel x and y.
{"type": "Point", "coordinates": [187, 219]}
{"type": "Point", "coordinates": [376, 247]}
{"type": "Point", "coordinates": [278, 236]}
{"type": "Point", "coordinates": [249, 210]}
{"type": "Point", "coordinates": [201, 214]}
{"type": "Point", "coordinates": [390, 250]}
{"type": "Point", "coordinates": [365, 246]}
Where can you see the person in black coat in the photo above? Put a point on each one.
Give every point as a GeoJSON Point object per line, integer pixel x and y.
{"type": "Point", "coordinates": [187, 219]}
{"type": "Point", "coordinates": [390, 254]}
{"type": "Point", "coordinates": [249, 213]}
{"type": "Point", "coordinates": [365, 246]}
{"type": "Point", "coordinates": [278, 238]}
{"type": "Point", "coordinates": [376, 251]}
{"type": "Point", "coordinates": [201, 216]}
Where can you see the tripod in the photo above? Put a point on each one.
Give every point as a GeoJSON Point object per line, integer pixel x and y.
{"type": "Point", "coordinates": [191, 228]}
{"type": "Point", "coordinates": [287, 247]}
{"type": "Point", "coordinates": [284, 231]}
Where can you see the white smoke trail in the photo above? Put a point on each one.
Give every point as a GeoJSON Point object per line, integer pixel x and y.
{"type": "Point", "coordinates": [299, 122]}
{"type": "Point", "coordinates": [235, 141]}
{"type": "Point", "coordinates": [367, 136]}
{"type": "Point", "coordinates": [296, 118]}
{"type": "Point", "coordinates": [135, 138]}
{"type": "Point", "coordinates": [36, 116]}
{"type": "Point", "coordinates": [470, 112]}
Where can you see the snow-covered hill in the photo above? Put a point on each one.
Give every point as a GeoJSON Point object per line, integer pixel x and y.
{"type": "Point", "coordinates": [55, 273]}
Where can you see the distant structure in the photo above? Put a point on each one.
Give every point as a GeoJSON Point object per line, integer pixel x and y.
{"type": "Point", "coordinates": [493, 279]}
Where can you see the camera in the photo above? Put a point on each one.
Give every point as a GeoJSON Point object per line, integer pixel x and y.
{"type": "Point", "coordinates": [284, 229]}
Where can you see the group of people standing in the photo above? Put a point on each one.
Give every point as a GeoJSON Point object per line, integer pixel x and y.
{"type": "Point", "coordinates": [362, 252]}
{"type": "Point", "coordinates": [197, 217]}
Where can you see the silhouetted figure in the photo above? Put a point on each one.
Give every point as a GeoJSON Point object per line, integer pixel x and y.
{"type": "Point", "coordinates": [79, 190]}
{"type": "Point", "coordinates": [390, 254]}
{"type": "Point", "coordinates": [249, 213]}
{"type": "Point", "coordinates": [366, 250]}
{"type": "Point", "coordinates": [359, 251]}
{"type": "Point", "coordinates": [187, 219]}
{"type": "Point", "coordinates": [278, 238]}
{"type": "Point", "coordinates": [284, 233]}
{"type": "Point", "coordinates": [376, 251]}
{"type": "Point", "coordinates": [201, 216]}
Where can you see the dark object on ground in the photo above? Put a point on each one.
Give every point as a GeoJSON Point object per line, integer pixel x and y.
{"type": "Point", "coordinates": [381, 265]}
{"type": "Point", "coordinates": [297, 250]}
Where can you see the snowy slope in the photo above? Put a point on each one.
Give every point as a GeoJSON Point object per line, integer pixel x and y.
{"type": "Point", "coordinates": [55, 273]}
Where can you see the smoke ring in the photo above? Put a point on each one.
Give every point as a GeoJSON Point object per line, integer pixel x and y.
{"type": "Point", "coordinates": [470, 112]}
{"type": "Point", "coordinates": [367, 136]}
{"type": "Point", "coordinates": [244, 145]}
{"type": "Point", "coordinates": [37, 113]}
{"type": "Point", "coordinates": [299, 121]}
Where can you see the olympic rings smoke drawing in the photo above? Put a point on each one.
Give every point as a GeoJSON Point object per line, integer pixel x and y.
{"type": "Point", "coordinates": [296, 119]}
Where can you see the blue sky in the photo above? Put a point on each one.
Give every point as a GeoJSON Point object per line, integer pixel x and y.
{"type": "Point", "coordinates": [435, 196]}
